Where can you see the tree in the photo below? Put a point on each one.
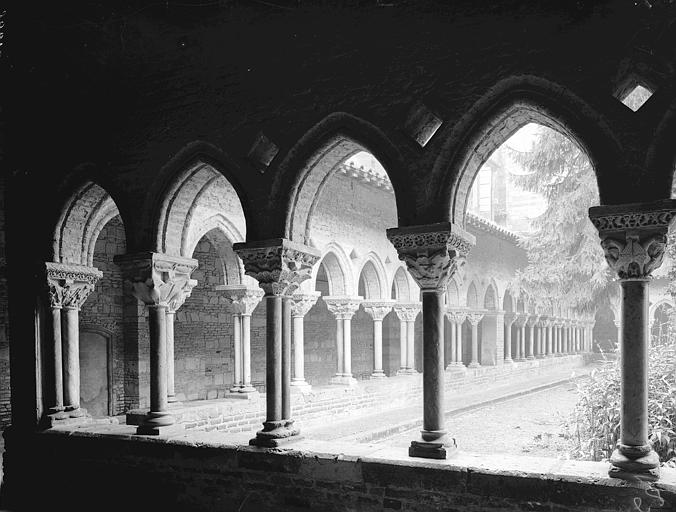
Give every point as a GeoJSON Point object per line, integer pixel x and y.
{"type": "Point", "coordinates": [565, 260]}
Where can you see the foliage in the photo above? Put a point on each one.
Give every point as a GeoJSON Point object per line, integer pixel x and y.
{"type": "Point", "coordinates": [566, 262]}
{"type": "Point", "coordinates": [594, 427]}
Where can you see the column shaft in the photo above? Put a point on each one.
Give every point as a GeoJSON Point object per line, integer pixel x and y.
{"type": "Point", "coordinates": [246, 355]}
{"type": "Point", "coordinates": [273, 363]}
{"type": "Point", "coordinates": [171, 392]}
{"type": "Point", "coordinates": [378, 347]}
{"type": "Point", "coordinates": [475, 345]}
{"type": "Point", "coordinates": [286, 358]}
{"type": "Point", "coordinates": [298, 349]}
{"type": "Point", "coordinates": [410, 346]}
{"type": "Point", "coordinates": [237, 342]}
{"type": "Point", "coordinates": [57, 361]}
{"type": "Point", "coordinates": [339, 347]}
{"type": "Point", "coordinates": [71, 359]}
{"type": "Point", "coordinates": [508, 341]}
{"type": "Point", "coordinates": [458, 343]}
{"type": "Point", "coordinates": [403, 352]}
{"type": "Point", "coordinates": [347, 347]}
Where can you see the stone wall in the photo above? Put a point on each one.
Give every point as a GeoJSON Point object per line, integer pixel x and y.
{"type": "Point", "coordinates": [5, 407]}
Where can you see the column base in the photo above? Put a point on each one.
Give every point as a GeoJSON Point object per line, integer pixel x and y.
{"type": "Point", "coordinates": [473, 364]}
{"type": "Point", "coordinates": [248, 389]}
{"type": "Point", "coordinates": [242, 395]}
{"type": "Point", "coordinates": [164, 430]}
{"type": "Point", "coordinates": [437, 445]}
{"type": "Point", "coordinates": [644, 467]}
{"type": "Point", "coordinates": [276, 433]}
{"type": "Point", "coordinates": [171, 399]}
{"type": "Point", "coordinates": [75, 412]}
{"type": "Point", "coordinates": [301, 385]}
{"type": "Point", "coordinates": [343, 380]}
{"type": "Point", "coordinates": [407, 371]}
{"type": "Point", "coordinates": [508, 360]}
{"type": "Point", "coordinates": [235, 388]}
{"type": "Point", "coordinates": [64, 419]}
{"type": "Point", "coordinates": [539, 356]}
{"type": "Point", "coordinates": [530, 358]}
{"type": "Point", "coordinates": [156, 422]}
{"type": "Point", "coordinates": [378, 374]}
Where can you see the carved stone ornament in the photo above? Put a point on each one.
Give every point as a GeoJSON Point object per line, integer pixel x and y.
{"type": "Point", "coordinates": [242, 298]}
{"type": "Point", "coordinates": [533, 320]}
{"type": "Point", "coordinates": [279, 265]}
{"type": "Point", "coordinates": [407, 311]}
{"type": "Point", "coordinates": [69, 285]}
{"type": "Point", "coordinates": [633, 236]}
{"type": "Point", "coordinates": [179, 298]}
{"type": "Point", "coordinates": [474, 317]}
{"type": "Point", "coordinates": [510, 318]}
{"type": "Point", "coordinates": [432, 253]}
{"type": "Point", "coordinates": [343, 308]}
{"type": "Point", "coordinates": [303, 302]}
{"type": "Point", "coordinates": [155, 278]}
{"type": "Point", "coordinates": [456, 317]}
{"type": "Point", "coordinates": [378, 309]}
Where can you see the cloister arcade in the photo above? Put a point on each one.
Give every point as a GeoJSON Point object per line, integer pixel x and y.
{"type": "Point", "coordinates": [228, 260]}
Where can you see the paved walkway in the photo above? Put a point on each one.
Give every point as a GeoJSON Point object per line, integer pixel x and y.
{"type": "Point", "coordinates": [372, 427]}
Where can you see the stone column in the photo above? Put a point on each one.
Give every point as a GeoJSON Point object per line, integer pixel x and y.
{"type": "Point", "coordinates": [456, 319]}
{"type": "Point", "coordinates": [302, 303]}
{"type": "Point", "coordinates": [157, 280]}
{"type": "Point", "coordinates": [279, 266]}
{"type": "Point", "coordinates": [510, 318]}
{"type": "Point", "coordinates": [634, 239]}
{"type": "Point", "coordinates": [432, 255]}
{"type": "Point", "coordinates": [474, 319]}
{"type": "Point", "coordinates": [378, 310]}
{"type": "Point", "coordinates": [450, 333]}
{"type": "Point", "coordinates": [343, 308]}
{"type": "Point", "coordinates": [531, 320]}
{"type": "Point", "coordinates": [243, 301]}
{"type": "Point", "coordinates": [548, 328]}
{"type": "Point", "coordinates": [68, 285]}
{"type": "Point", "coordinates": [172, 307]}
{"type": "Point", "coordinates": [407, 313]}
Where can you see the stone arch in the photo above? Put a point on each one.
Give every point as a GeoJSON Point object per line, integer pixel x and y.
{"type": "Point", "coordinates": [660, 303]}
{"type": "Point", "coordinates": [453, 294]}
{"type": "Point", "coordinates": [314, 158]}
{"type": "Point", "coordinates": [82, 218]}
{"type": "Point", "coordinates": [661, 154]}
{"type": "Point", "coordinates": [337, 267]}
{"type": "Point", "coordinates": [231, 267]}
{"type": "Point", "coordinates": [472, 296]}
{"type": "Point", "coordinates": [373, 275]}
{"type": "Point", "coordinates": [508, 302]}
{"type": "Point", "coordinates": [508, 106]}
{"type": "Point", "coordinates": [401, 287]}
{"type": "Point", "coordinates": [521, 305]}
{"type": "Point", "coordinates": [198, 199]}
{"type": "Point", "coordinates": [490, 298]}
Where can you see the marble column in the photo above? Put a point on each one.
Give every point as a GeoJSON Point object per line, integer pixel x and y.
{"type": "Point", "coordinates": [432, 255]}
{"type": "Point", "coordinates": [68, 286]}
{"type": "Point", "coordinates": [302, 303]}
{"type": "Point", "coordinates": [279, 266]}
{"type": "Point", "coordinates": [243, 301]}
{"type": "Point", "coordinates": [172, 307]}
{"type": "Point", "coordinates": [456, 319]}
{"type": "Point", "coordinates": [474, 319]}
{"type": "Point", "coordinates": [378, 310]}
{"type": "Point", "coordinates": [343, 308]}
{"type": "Point", "coordinates": [510, 318]}
{"type": "Point", "coordinates": [157, 280]}
{"type": "Point", "coordinates": [634, 239]}
{"type": "Point", "coordinates": [532, 320]}
{"type": "Point", "coordinates": [407, 313]}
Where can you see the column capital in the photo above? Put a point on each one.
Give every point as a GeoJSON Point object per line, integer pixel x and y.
{"type": "Point", "coordinates": [69, 284]}
{"type": "Point", "coordinates": [343, 308]}
{"type": "Point", "coordinates": [378, 309]}
{"type": "Point", "coordinates": [243, 299]}
{"type": "Point", "coordinates": [510, 318]}
{"type": "Point", "coordinates": [407, 311]}
{"type": "Point", "coordinates": [303, 302]}
{"type": "Point", "coordinates": [474, 317]}
{"type": "Point", "coordinates": [158, 279]}
{"type": "Point", "coordinates": [433, 252]}
{"type": "Point", "coordinates": [521, 319]}
{"type": "Point", "coordinates": [456, 316]}
{"type": "Point", "coordinates": [634, 236]}
{"type": "Point", "coordinates": [177, 301]}
{"type": "Point", "coordinates": [533, 320]}
{"type": "Point", "coordinates": [279, 265]}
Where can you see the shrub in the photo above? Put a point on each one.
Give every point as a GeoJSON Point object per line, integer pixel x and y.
{"type": "Point", "coordinates": [594, 427]}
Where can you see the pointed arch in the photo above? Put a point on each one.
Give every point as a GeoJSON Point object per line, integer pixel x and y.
{"type": "Point", "coordinates": [401, 286]}
{"type": "Point", "coordinates": [82, 218]}
{"type": "Point", "coordinates": [662, 303]}
{"type": "Point", "coordinates": [508, 303]}
{"type": "Point", "coordinates": [509, 105]}
{"type": "Point", "coordinates": [490, 301]}
{"type": "Point", "coordinates": [472, 296]}
{"type": "Point", "coordinates": [313, 159]}
{"type": "Point", "coordinates": [453, 293]}
{"type": "Point", "coordinates": [336, 264]}
{"type": "Point", "coordinates": [373, 275]}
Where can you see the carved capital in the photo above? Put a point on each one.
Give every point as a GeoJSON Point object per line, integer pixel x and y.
{"type": "Point", "coordinates": [378, 309]}
{"type": "Point", "coordinates": [474, 317]}
{"type": "Point", "coordinates": [407, 311]}
{"type": "Point", "coordinates": [179, 298]}
{"type": "Point", "coordinates": [242, 299]}
{"type": "Point", "coordinates": [510, 318]}
{"type": "Point", "coordinates": [343, 308]}
{"type": "Point", "coordinates": [456, 317]}
{"type": "Point", "coordinates": [279, 265]}
{"type": "Point", "coordinates": [302, 303]}
{"type": "Point", "coordinates": [634, 236]}
{"type": "Point", "coordinates": [69, 285]}
{"type": "Point", "coordinates": [157, 279]}
{"type": "Point", "coordinates": [533, 320]}
{"type": "Point", "coordinates": [432, 253]}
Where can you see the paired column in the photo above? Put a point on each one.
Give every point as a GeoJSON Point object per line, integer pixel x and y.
{"type": "Point", "coordinates": [343, 308]}
{"type": "Point", "coordinates": [510, 318]}
{"type": "Point", "coordinates": [302, 303]}
{"type": "Point", "coordinates": [474, 319]}
{"type": "Point", "coordinates": [520, 323]}
{"type": "Point", "coordinates": [456, 319]}
{"type": "Point", "coordinates": [279, 266]}
{"type": "Point", "coordinates": [157, 280]}
{"type": "Point", "coordinates": [172, 307]}
{"type": "Point", "coordinates": [432, 255]}
{"type": "Point", "coordinates": [532, 321]}
{"type": "Point", "coordinates": [68, 286]}
{"type": "Point", "coordinates": [634, 238]}
{"type": "Point", "coordinates": [407, 313]}
{"type": "Point", "coordinates": [243, 302]}
{"type": "Point", "coordinates": [378, 310]}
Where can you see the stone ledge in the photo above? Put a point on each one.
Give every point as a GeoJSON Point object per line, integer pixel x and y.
{"type": "Point", "coordinates": [193, 463]}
